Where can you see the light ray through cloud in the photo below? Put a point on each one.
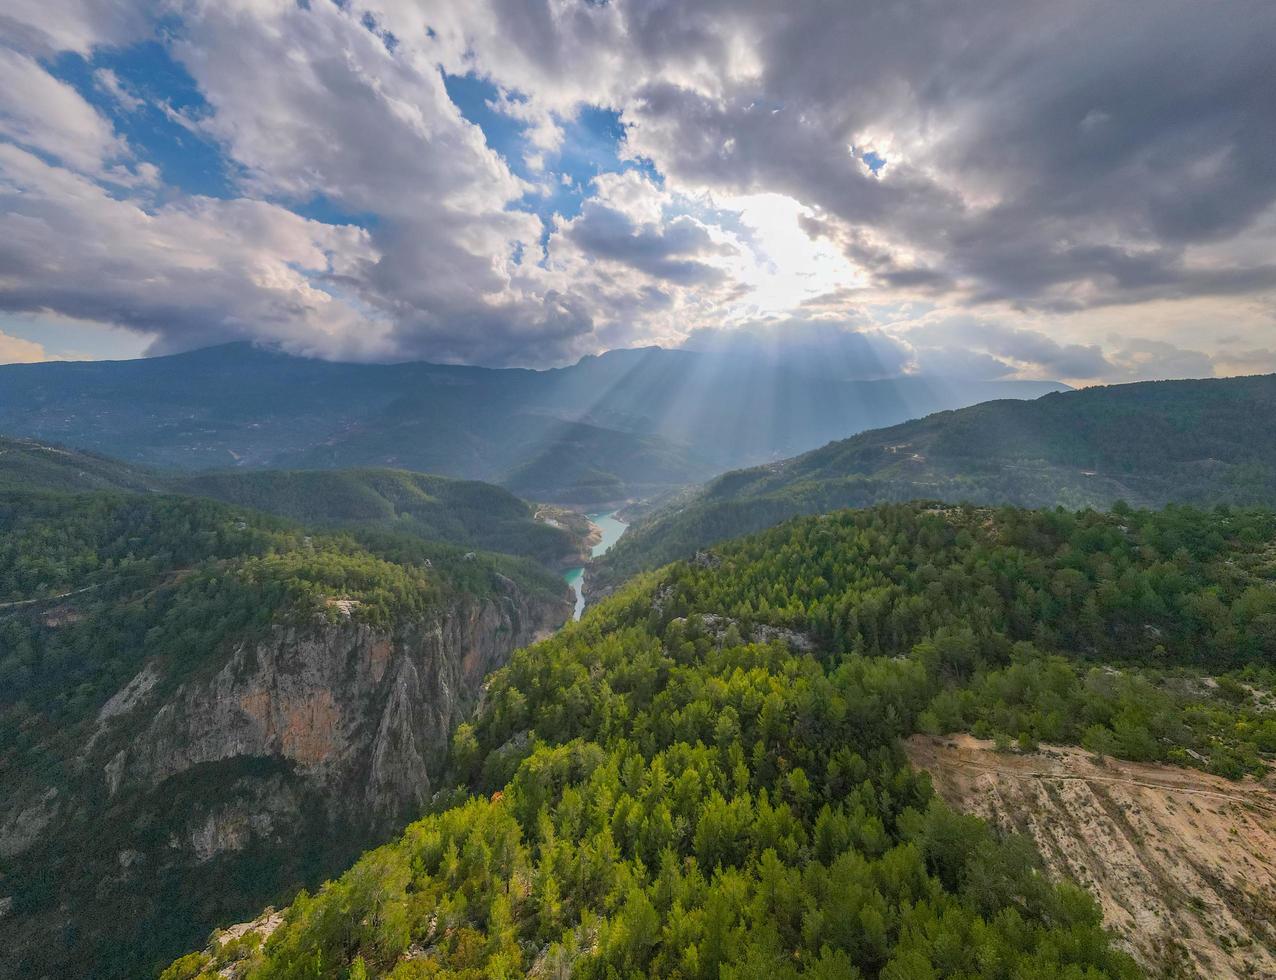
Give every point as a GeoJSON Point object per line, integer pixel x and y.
{"type": "Point", "coordinates": [501, 187]}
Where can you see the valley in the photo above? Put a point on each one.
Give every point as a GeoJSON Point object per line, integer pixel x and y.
{"type": "Point", "coordinates": [625, 489]}
{"type": "Point", "coordinates": [609, 428]}
{"type": "Point", "coordinates": [610, 528]}
{"type": "Point", "coordinates": [254, 675]}
{"type": "Point", "coordinates": [726, 748]}
{"type": "Point", "coordinates": [351, 702]}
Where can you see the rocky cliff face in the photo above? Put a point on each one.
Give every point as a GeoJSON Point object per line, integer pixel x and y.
{"type": "Point", "coordinates": [265, 771]}
{"type": "Point", "coordinates": [361, 712]}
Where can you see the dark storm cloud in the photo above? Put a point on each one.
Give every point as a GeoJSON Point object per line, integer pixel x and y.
{"type": "Point", "coordinates": [664, 253]}
{"type": "Point", "coordinates": [1040, 146]}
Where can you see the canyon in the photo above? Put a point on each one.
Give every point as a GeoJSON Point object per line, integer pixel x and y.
{"type": "Point", "coordinates": [246, 780]}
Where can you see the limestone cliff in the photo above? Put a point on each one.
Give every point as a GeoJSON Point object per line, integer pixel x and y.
{"type": "Point", "coordinates": [352, 709]}
{"type": "Point", "coordinates": [264, 770]}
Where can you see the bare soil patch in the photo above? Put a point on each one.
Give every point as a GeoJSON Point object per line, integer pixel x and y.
{"type": "Point", "coordinates": [1183, 863]}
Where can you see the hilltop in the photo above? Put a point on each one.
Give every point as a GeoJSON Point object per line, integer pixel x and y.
{"type": "Point", "coordinates": [26, 464]}
{"type": "Point", "coordinates": [466, 513]}
{"type": "Point", "coordinates": [1148, 444]}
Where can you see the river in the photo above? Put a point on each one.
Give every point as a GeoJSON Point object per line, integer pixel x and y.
{"type": "Point", "coordinates": [612, 529]}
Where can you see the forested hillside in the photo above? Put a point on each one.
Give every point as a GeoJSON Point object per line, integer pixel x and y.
{"type": "Point", "coordinates": [466, 513]}
{"type": "Point", "coordinates": [704, 778]}
{"type": "Point", "coordinates": [461, 512]}
{"type": "Point", "coordinates": [202, 708]}
{"type": "Point", "coordinates": [29, 465]}
{"type": "Point", "coordinates": [1153, 443]}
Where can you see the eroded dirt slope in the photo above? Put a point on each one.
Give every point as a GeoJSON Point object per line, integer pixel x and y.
{"type": "Point", "coordinates": [1184, 863]}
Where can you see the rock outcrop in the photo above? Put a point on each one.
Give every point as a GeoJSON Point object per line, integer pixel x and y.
{"type": "Point", "coordinates": [264, 770]}
{"type": "Point", "coordinates": [1183, 863]}
{"type": "Point", "coordinates": [360, 712]}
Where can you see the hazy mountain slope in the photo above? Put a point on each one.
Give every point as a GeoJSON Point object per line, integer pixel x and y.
{"type": "Point", "coordinates": [1200, 442]}
{"type": "Point", "coordinates": [29, 465]}
{"type": "Point", "coordinates": [704, 776]}
{"type": "Point", "coordinates": [203, 708]}
{"type": "Point", "coordinates": [623, 424]}
{"type": "Point", "coordinates": [581, 463]}
{"type": "Point", "coordinates": [203, 409]}
{"type": "Point", "coordinates": [733, 408]}
{"type": "Point", "coordinates": [238, 405]}
{"type": "Point", "coordinates": [461, 512]}
{"type": "Point", "coordinates": [534, 455]}
{"type": "Point", "coordinates": [466, 513]}
{"type": "Point", "coordinates": [1197, 441]}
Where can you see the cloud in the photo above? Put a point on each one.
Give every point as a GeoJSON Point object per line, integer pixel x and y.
{"type": "Point", "coordinates": [1004, 186]}
{"type": "Point", "coordinates": [1153, 360]}
{"type": "Point", "coordinates": [982, 348]}
{"type": "Point", "coordinates": [960, 362]}
{"type": "Point", "coordinates": [71, 25]}
{"type": "Point", "coordinates": [369, 126]}
{"type": "Point", "coordinates": [432, 274]}
{"type": "Point", "coordinates": [974, 346]}
{"type": "Point", "coordinates": [1258, 360]}
{"type": "Point", "coordinates": [544, 131]}
{"type": "Point", "coordinates": [16, 350]}
{"type": "Point", "coordinates": [663, 252]}
{"type": "Point", "coordinates": [49, 116]}
{"type": "Point", "coordinates": [197, 269]}
{"type": "Point", "coordinates": [109, 82]}
{"type": "Point", "coordinates": [1055, 156]}
{"type": "Point", "coordinates": [311, 101]}
{"type": "Point", "coordinates": [819, 347]}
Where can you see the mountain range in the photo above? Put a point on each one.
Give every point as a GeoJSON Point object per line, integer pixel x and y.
{"type": "Point", "coordinates": [1148, 444]}
{"type": "Point", "coordinates": [622, 425]}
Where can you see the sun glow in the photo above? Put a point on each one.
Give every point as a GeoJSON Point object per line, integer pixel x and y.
{"type": "Point", "coordinates": [781, 265]}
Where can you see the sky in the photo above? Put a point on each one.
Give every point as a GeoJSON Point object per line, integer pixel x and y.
{"type": "Point", "coordinates": [1066, 189]}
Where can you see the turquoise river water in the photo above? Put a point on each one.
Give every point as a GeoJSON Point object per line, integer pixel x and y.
{"type": "Point", "coordinates": [612, 530]}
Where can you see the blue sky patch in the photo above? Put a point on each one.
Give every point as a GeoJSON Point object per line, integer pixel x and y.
{"type": "Point", "coordinates": [874, 161]}
{"type": "Point", "coordinates": [323, 208]}
{"type": "Point", "coordinates": [187, 159]}
{"type": "Point", "coordinates": [591, 146]}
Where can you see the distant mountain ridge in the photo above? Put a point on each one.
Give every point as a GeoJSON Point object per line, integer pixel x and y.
{"type": "Point", "coordinates": [626, 424]}
{"type": "Point", "coordinates": [1150, 443]}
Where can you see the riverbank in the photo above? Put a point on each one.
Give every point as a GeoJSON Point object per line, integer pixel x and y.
{"type": "Point", "coordinates": [584, 533]}
{"type": "Point", "coordinates": [609, 529]}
